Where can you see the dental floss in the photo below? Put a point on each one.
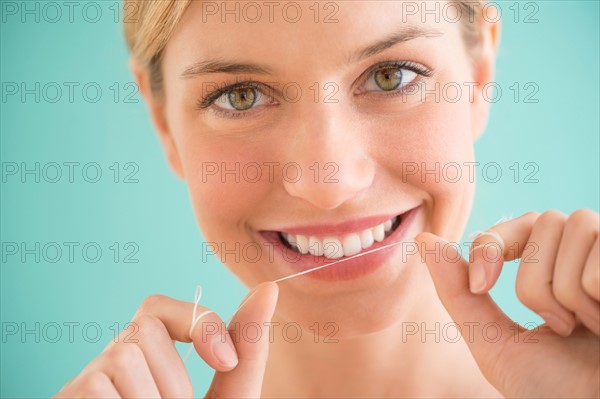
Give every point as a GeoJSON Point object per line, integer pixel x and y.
{"type": "Point", "coordinates": [479, 233]}
{"type": "Point", "coordinates": [337, 261]}
{"type": "Point", "coordinates": [195, 319]}
{"type": "Point", "coordinates": [198, 293]}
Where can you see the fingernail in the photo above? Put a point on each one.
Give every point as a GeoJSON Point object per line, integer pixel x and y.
{"type": "Point", "coordinates": [557, 324]}
{"type": "Point", "coordinates": [476, 277]}
{"type": "Point", "coordinates": [224, 351]}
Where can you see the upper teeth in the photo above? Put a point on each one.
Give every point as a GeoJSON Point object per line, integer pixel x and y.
{"type": "Point", "coordinates": [335, 247]}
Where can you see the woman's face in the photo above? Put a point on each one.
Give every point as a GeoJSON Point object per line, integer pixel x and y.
{"type": "Point", "coordinates": [354, 119]}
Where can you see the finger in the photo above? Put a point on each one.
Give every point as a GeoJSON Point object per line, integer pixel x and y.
{"type": "Point", "coordinates": [211, 342]}
{"type": "Point", "coordinates": [250, 331]}
{"type": "Point", "coordinates": [89, 385]}
{"type": "Point", "coordinates": [581, 230]}
{"type": "Point", "coordinates": [536, 270]}
{"type": "Point", "coordinates": [127, 368]}
{"type": "Point", "coordinates": [164, 362]}
{"type": "Point", "coordinates": [449, 273]}
{"type": "Point", "coordinates": [591, 272]}
{"type": "Point", "coordinates": [502, 242]}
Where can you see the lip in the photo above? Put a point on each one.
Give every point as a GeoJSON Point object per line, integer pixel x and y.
{"type": "Point", "coordinates": [347, 270]}
{"type": "Point", "coordinates": [339, 229]}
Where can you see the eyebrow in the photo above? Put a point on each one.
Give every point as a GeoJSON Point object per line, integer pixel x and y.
{"type": "Point", "coordinates": [220, 66]}
{"type": "Point", "coordinates": [403, 35]}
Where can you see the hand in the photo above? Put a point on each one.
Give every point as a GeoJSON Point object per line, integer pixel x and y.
{"type": "Point", "coordinates": [151, 367]}
{"type": "Point", "coordinates": [558, 278]}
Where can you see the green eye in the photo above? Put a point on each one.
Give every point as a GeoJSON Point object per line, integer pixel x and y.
{"type": "Point", "coordinates": [394, 77]}
{"type": "Point", "coordinates": [388, 78]}
{"type": "Point", "coordinates": [242, 98]}
{"type": "Point", "coordinates": [237, 100]}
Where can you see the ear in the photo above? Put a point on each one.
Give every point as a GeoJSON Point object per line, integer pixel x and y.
{"type": "Point", "coordinates": [484, 72]}
{"type": "Point", "coordinates": [157, 112]}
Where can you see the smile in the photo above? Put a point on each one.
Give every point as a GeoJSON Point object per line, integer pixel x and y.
{"type": "Point", "coordinates": [306, 247]}
{"type": "Point", "coordinates": [338, 246]}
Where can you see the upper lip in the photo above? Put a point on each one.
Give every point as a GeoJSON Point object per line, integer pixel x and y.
{"type": "Point", "coordinates": [341, 228]}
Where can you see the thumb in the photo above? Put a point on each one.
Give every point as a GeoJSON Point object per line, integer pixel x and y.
{"type": "Point", "coordinates": [486, 329]}
{"type": "Point", "coordinates": [249, 330]}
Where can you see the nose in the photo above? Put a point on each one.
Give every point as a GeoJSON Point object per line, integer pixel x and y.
{"type": "Point", "coordinates": [329, 161]}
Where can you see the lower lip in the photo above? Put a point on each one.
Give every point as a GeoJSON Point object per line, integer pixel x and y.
{"type": "Point", "coordinates": [347, 270]}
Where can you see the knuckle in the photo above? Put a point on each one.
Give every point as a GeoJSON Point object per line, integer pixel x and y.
{"type": "Point", "coordinates": [150, 328]}
{"type": "Point", "coordinates": [590, 280]}
{"type": "Point", "coordinates": [533, 215]}
{"type": "Point", "coordinates": [527, 293]}
{"type": "Point", "coordinates": [150, 303]}
{"type": "Point", "coordinates": [550, 218]}
{"type": "Point", "coordinates": [564, 294]}
{"type": "Point", "coordinates": [93, 384]}
{"type": "Point", "coordinates": [581, 217]}
{"type": "Point", "coordinates": [125, 354]}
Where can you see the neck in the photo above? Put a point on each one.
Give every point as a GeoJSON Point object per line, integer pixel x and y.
{"type": "Point", "coordinates": [412, 358]}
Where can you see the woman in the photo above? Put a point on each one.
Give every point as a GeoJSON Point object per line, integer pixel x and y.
{"type": "Point", "coordinates": [312, 132]}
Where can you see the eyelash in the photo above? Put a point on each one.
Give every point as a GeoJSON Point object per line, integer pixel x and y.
{"type": "Point", "coordinates": [209, 99]}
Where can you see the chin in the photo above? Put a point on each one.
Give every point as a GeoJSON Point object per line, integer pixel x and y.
{"type": "Point", "coordinates": [366, 309]}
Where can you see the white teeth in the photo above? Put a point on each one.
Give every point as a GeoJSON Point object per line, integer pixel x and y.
{"type": "Point", "coordinates": [315, 246]}
{"type": "Point", "coordinates": [378, 233]}
{"type": "Point", "coordinates": [387, 225]}
{"type": "Point", "coordinates": [351, 245]}
{"type": "Point", "coordinates": [336, 247]}
{"type": "Point", "coordinates": [332, 248]}
{"type": "Point", "coordinates": [366, 238]}
{"type": "Point", "coordinates": [291, 239]}
{"type": "Point", "coordinates": [302, 244]}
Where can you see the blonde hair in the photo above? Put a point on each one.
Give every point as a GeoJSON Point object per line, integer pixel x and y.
{"type": "Point", "coordinates": [148, 25]}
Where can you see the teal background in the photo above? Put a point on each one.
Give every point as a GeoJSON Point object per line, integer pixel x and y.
{"type": "Point", "coordinates": [560, 133]}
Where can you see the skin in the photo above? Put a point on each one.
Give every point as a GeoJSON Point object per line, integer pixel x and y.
{"type": "Point", "coordinates": [377, 134]}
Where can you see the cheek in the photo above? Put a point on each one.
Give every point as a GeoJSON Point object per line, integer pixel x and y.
{"type": "Point", "coordinates": [218, 169]}
{"type": "Point", "coordinates": [430, 151]}
{"type": "Point", "coordinates": [221, 175]}
{"type": "Point", "coordinates": [432, 135]}
{"type": "Point", "coordinates": [224, 196]}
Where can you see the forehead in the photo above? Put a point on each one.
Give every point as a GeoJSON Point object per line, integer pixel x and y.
{"type": "Point", "coordinates": [279, 32]}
